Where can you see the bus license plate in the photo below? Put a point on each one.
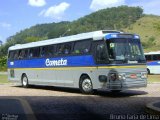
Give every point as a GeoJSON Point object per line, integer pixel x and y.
{"type": "Point", "coordinates": [133, 76]}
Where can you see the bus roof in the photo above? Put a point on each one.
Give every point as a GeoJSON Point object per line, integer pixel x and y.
{"type": "Point", "coordinates": [96, 35]}
{"type": "Point", "coordinates": [152, 53]}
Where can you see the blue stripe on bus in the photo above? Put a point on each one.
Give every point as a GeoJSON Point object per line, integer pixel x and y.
{"type": "Point", "coordinates": [72, 61]}
{"type": "Point", "coordinates": [152, 63]}
{"type": "Point", "coordinates": [53, 62]}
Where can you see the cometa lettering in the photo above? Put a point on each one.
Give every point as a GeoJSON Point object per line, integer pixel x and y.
{"type": "Point", "coordinates": [60, 62]}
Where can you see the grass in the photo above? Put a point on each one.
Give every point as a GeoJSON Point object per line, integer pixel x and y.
{"type": "Point", "coordinates": [3, 79]}
{"type": "Point", "coordinates": [145, 27]}
{"type": "Point", "coordinates": [151, 79]}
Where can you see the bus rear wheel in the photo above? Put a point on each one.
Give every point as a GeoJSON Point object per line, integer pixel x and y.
{"type": "Point", "coordinates": [85, 85]}
{"type": "Point", "coordinates": [24, 81]}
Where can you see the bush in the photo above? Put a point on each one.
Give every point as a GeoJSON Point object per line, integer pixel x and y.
{"type": "Point", "coordinates": [3, 63]}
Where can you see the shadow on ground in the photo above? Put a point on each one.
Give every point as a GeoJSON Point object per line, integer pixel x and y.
{"type": "Point", "coordinates": [104, 93]}
{"type": "Point", "coordinates": [102, 105]}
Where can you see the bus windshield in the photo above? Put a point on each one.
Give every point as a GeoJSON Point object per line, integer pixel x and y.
{"type": "Point", "coordinates": [125, 51]}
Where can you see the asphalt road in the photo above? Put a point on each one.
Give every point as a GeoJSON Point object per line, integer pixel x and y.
{"type": "Point", "coordinates": [51, 103]}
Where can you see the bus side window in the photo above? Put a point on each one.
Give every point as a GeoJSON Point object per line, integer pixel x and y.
{"type": "Point", "coordinates": [148, 57]}
{"type": "Point", "coordinates": [60, 48]}
{"type": "Point", "coordinates": [42, 53]}
{"type": "Point", "coordinates": [158, 56]}
{"type": "Point", "coordinates": [155, 57]}
{"type": "Point", "coordinates": [67, 48]}
{"type": "Point", "coordinates": [20, 54]}
{"type": "Point", "coordinates": [51, 50]}
{"type": "Point", "coordinates": [64, 49]}
{"type": "Point", "coordinates": [48, 51]}
{"type": "Point", "coordinates": [16, 55]}
{"type": "Point", "coordinates": [24, 54]}
{"type": "Point", "coordinates": [34, 52]}
{"type": "Point", "coordinates": [82, 47]}
{"type": "Point", "coordinates": [11, 55]}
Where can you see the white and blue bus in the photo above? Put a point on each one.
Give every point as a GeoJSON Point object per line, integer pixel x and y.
{"type": "Point", "coordinates": [89, 61]}
{"type": "Point", "coordinates": [153, 62]}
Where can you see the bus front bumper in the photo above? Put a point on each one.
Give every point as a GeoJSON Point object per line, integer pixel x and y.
{"type": "Point", "coordinates": [126, 85]}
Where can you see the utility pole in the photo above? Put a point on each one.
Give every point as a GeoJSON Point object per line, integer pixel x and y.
{"type": "Point", "coordinates": [68, 30]}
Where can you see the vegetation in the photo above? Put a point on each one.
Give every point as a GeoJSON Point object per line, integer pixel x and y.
{"type": "Point", "coordinates": [3, 63]}
{"type": "Point", "coordinates": [111, 18]}
{"type": "Point", "coordinates": [124, 18]}
{"type": "Point", "coordinates": [153, 78]}
{"type": "Point", "coordinates": [3, 79]}
{"type": "Point", "coordinates": [148, 27]}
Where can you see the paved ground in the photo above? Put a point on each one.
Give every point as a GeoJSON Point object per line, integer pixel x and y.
{"type": "Point", "coordinates": [50, 103]}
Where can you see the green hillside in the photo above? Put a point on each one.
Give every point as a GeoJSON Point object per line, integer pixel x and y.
{"type": "Point", "coordinates": [127, 19]}
{"type": "Point", "coordinates": [124, 18]}
{"type": "Point", "coordinates": [148, 27]}
{"type": "Point", "coordinates": [111, 18]}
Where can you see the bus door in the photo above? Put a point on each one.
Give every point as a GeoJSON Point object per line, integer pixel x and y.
{"type": "Point", "coordinates": [101, 59]}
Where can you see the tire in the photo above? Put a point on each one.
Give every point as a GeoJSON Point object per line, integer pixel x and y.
{"type": "Point", "coordinates": [85, 85]}
{"type": "Point", "coordinates": [25, 81]}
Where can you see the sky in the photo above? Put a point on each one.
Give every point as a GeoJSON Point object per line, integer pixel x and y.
{"type": "Point", "coordinates": [17, 15]}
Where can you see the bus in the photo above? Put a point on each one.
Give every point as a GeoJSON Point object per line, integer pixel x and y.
{"type": "Point", "coordinates": [104, 59]}
{"type": "Point", "coordinates": [153, 62]}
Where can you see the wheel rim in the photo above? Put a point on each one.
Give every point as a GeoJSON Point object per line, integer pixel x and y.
{"type": "Point", "coordinates": [87, 85]}
{"type": "Point", "coordinates": [24, 81]}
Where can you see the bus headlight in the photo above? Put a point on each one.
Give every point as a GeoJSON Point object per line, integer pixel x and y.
{"type": "Point", "coordinates": [113, 76]}
{"type": "Point", "coordinates": [143, 75]}
{"type": "Point", "coordinates": [122, 76]}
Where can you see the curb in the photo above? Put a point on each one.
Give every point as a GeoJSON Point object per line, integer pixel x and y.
{"type": "Point", "coordinates": [151, 109]}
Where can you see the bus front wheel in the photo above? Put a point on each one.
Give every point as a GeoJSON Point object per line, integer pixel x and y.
{"type": "Point", "coordinates": [85, 85]}
{"type": "Point", "coordinates": [24, 81]}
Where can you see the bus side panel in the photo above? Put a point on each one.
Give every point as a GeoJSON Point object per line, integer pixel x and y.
{"type": "Point", "coordinates": [83, 71]}
{"type": "Point", "coordinates": [13, 76]}
{"type": "Point", "coordinates": [64, 77]}
{"type": "Point", "coordinates": [41, 77]}
{"type": "Point", "coordinates": [101, 72]}
{"type": "Point", "coordinates": [154, 67]}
